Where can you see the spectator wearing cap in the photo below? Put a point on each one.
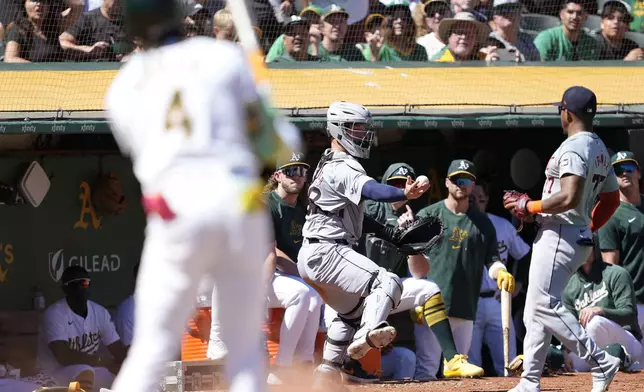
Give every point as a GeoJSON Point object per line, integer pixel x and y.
{"type": "Point", "coordinates": [296, 34]}
{"type": "Point", "coordinates": [434, 11]}
{"type": "Point", "coordinates": [613, 45]}
{"type": "Point", "coordinates": [72, 332]}
{"type": "Point", "coordinates": [372, 34]}
{"type": "Point", "coordinates": [469, 244]}
{"type": "Point", "coordinates": [568, 42]}
{"type": "Point", "coordinates": [313, 15]}
{"type": "Point", "coordinates": [621, 239]}
{"type": "Point", "coordinates": [198, 20]}
{"type": "Point", "coordinates": [399, 34]}
{"type": "Point", "coordinates": [223, 27]}
{"type": "Point", "coordinates": [98, 35]}
{"type": "Point", "coordinates": [505, 20]}
{"type": "Point", "coordinates": [334, 29]}
{"type": "Point", "coordinates": [34, 36]}
{"type": "Point", "coordinates": [464, 36]}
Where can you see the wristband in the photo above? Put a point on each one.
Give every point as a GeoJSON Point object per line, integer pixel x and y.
{"type": "Point", "coordinates": [534, 207]}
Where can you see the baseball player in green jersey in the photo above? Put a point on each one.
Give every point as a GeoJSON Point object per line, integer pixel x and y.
{"type": "Point", "coordinates": [622, 238]}
{"type": "Point", "coordinates": [284, 287]}
{"type": "Point", "coordinates": [601, 296]}
{"type": "Point", "coordinates": [468, 244]}
{"type": "Point", "coordinates": [432, 331]}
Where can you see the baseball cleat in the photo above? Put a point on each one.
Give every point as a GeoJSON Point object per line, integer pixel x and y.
{"type": "Point", "coordinates": [328, 378]}
{"type": "Point", "coordinates": [216, 349]}
{"type": "Point", "coordinates": [603, 379]}
{"type": "Point", "coordinates": [377, 338]}
{"type": "Point", "coordinates": [354, 372]}
{"type": "Point", "coordinates": [459, 367]}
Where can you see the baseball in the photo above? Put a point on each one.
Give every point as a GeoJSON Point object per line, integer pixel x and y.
{"type": "Point", "coordinates": [423, 180]}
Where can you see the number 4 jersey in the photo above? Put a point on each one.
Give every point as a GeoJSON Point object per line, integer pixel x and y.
{"type": "Point", "coordinates": [584, 155]}
{"type": "Point", "coordinates": [187, 100]}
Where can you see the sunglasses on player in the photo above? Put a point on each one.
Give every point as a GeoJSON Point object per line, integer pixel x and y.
{"type": "Point", "coordinates": [83, 282]}
{"type": "Point", "coordinates": [295, 171]}
{"type": "Point", "coordinates": [462, 181]}
{"type": "Point", "coordinates": [624, 168]}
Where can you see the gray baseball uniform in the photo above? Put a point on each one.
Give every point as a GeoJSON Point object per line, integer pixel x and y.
{"type": "Point", "coordinates": [360, 291]}
{"type": "Point", "coordinates": [560, 248]}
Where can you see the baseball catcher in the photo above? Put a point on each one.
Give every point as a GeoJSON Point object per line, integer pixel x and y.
{"type": "Point", "coordinates": [361, 292]}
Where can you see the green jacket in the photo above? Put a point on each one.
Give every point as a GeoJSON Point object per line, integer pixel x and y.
{"type": "Point", "coordinates": [606, 286]}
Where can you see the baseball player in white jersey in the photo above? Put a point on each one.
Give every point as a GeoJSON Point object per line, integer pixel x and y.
{"type": "Point", "coordinates": [189, 115]}
{"type": "Point", "coordinates": [72, 332]}
{"type": "Point", "coordinates": [362, 293]}
{"type": "Point", "coordinates": [488, 326]}
{"type": "Point", "coordinates": [579, 196]}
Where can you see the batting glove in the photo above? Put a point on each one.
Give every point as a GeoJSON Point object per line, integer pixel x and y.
{"type": "Point", "coordinates": [505, 281]}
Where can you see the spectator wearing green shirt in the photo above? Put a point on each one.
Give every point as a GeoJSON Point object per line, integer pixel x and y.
{"type": "Point", "coordinates": [399, 33]}
{"type": "Point", "coordinates": [622, 237]}
{"type": "Point", "coordinates": [313, 15]}
{"type": "Point", "coordinates": [602, 297]}
{"type": "Point", "coordinates": [637, 10]}
{"type": "Point", "coordinates": [372, 34]}
{"type": "Point", "coordinates": [296, 38]}
{"type": "Point", "coordinates": [334, 29]}
{"type": "Point", "coordinates": [568, 42]}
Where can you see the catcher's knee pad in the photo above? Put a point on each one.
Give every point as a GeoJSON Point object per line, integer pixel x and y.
{"type": "Point", "coordinates": [389, 284]}
{"type": "Point", "coordinates": [432, 311]}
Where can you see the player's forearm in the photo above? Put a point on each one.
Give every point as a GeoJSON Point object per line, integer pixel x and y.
{"type": "Point", "coordinates": [418, 266]}
{"type": "Point", "coordinates": [557, 203]}
{"type": "Point", "coordinates": [385, 232]}
{"type": "Point", "coordinates": [372, 190]}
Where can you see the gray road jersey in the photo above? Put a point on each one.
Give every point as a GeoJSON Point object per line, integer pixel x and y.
{"type": "Point", "coordinates": [335, 210]}
{"type": "Point", "coordinates": [585, 155]}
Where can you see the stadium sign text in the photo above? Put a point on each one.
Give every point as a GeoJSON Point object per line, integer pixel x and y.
{"type": "Point", "coordinates": [92, 263]}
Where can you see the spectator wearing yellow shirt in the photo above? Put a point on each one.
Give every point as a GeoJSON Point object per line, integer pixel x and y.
{"type": "Point", "coordinates": [568, 42]}
{"type": "Point", "coordinates": [464, 36]}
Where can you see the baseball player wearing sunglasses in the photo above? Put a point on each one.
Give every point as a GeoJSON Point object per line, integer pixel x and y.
{"type": "Point", "coordinates": [72, 331]}
{"type": "Point", "coordinates": [468, 244]}
{"type": "Point", "coordinates": [622, 238]}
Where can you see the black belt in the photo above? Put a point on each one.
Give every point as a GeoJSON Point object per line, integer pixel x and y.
{"type": "Point", "coordinates": [487, 294]}
{"type": "Point", "coordinates": [317, 241]}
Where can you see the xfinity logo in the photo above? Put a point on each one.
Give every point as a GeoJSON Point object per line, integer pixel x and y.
{"type": "Point", "coordinates": [92, 263]}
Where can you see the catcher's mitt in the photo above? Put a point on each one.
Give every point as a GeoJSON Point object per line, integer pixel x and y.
{"type": "Point", "coordinates": [419, 236]}
{"type": "Point", "coordinates": [108, 196]}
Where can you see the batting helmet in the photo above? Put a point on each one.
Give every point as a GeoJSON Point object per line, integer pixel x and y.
{"type": "Point", "coordinates": [343, 123]}
{"type": "Point", "coordinates": [152, 20]}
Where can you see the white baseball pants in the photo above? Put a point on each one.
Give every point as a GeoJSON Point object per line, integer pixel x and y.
{"type": "Point", "coordinates": [557, 253]}
{"type": "Point", "coordinates": [604, 332]}
{"type": "Point", "coordinates": [210, 237]}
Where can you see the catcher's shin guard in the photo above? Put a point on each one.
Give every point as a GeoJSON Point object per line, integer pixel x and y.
{"type": "Point", "coordinates": [432, 311]}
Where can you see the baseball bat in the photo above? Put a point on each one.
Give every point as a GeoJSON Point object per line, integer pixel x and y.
{"type": "Point", "coordinates": [506, 317]}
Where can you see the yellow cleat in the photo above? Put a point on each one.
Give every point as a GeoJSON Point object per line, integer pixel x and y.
{"type": "Point", "coordinates": [459, 367]}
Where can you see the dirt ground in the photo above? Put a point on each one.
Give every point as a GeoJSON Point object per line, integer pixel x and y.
{"type": "Point", "coordinates": [579, 382]}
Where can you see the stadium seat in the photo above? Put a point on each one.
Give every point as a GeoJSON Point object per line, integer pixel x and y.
{"type": "Point", "coordinates": [594, 22]}
{"type": "Point", "coordinates": [637, 37]}
{"type": "Point", "coordinates": [532, 34]}
{"type": "Point", "coordinates": [538, 22]}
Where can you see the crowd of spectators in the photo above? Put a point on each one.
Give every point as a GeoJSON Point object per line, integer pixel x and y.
{"type": "Point", "coordinates": [357, 30]}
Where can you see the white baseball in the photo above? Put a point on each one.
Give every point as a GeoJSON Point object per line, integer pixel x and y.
{"type": "Point", "coordinates": [423, 180]}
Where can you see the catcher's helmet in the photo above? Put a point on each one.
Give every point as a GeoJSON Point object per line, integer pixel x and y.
{"type": "Point", "coordinates": [341, 120]}
{"type": "Point", "coordinates": [152, 20]}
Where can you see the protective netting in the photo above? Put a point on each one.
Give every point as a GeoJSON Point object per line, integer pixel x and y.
{"type": "Point", "coordinates": [311, 46]}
